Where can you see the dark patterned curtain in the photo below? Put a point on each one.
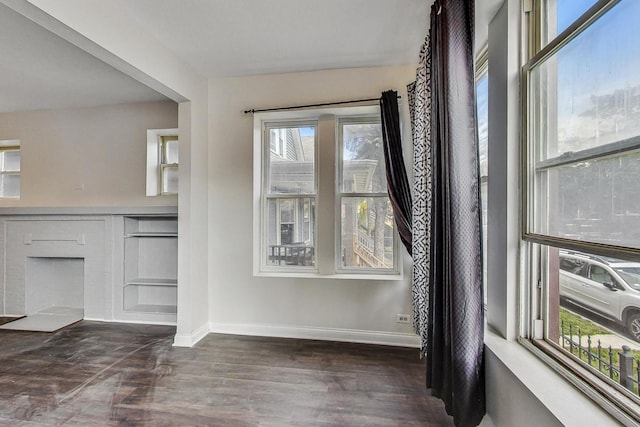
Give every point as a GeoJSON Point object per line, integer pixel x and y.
{"type": "Point", "coordinates": [452, 272]}
{"type": "Point", "coordinates": [397, 182]}
{"type": "Point", "coordinates": [419, 95]}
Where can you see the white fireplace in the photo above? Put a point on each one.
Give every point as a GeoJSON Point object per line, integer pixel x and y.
{"type": "Point", "coordinates": [57, 263]}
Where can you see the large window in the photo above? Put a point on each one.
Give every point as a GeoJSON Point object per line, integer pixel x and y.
{"type": "Point", "coordinates": [10, 169]}
{"type": "Point", "coordinates": [581, 209]}
{"type": "Point", "coordinates": [321, 200]}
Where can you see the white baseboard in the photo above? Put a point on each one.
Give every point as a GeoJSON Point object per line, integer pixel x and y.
{"type": "Point", "coordinates": [137, 322]}
{"type": "Point", "coordinates": [96, 319]}
{"type": "Point", "coordinates": [283, 331]}
{"type": "Point", "coordinates": [191, 340]}
{"type": "Point", "coordinates": [325, 334]}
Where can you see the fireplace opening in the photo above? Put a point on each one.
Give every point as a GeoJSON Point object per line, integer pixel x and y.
{"type": "Point", "coordinates": [54, 294]}
{"type": "Point", "coordinates": [53, 282]}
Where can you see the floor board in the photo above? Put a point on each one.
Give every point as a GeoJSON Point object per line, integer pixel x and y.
{"type": "Point", "coordinates": [94, 373]}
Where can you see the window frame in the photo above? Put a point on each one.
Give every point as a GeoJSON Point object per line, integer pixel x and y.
{"type": "Point", "coordinates": [327, 218]}
{"type": "Point", "coordinates": [535, 299]}
{"type": "Point", "coordinates": [12, 145]}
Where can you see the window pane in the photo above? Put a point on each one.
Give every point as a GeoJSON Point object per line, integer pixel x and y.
{"type": "Point", "coordinates": [588, 93]}
{"type": "Point", "coordinates": [10, 160]}
{"type": "Point", "coordinates": [363, 168]}
{"type": "Point", "coordinates": [587, 97]}
{"type": "Point", "coordinates": [287, 213]}
{"type": "Point", "coordinates": [594, 200]}
{"type": "Point", "coordinates": [169, 179]}
{"type": "Point", "coordinates": [9, 185]}
{"type": "Point", "coordinates": [171, 151]}
{"type": "Point", "coordinates": [563, 13]}
{"type": "Point", "coordinates": [367, 233]}
{"type": "Point", "coordinates": [290, 231]}
{"type": "Point", "coordinates": [292, 160]}
{"type": "Point", "coordinates": [594, 303]}
{"type": "Point", "coordinates": [482, 100]}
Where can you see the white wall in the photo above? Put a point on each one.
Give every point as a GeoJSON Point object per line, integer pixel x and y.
{"type": "Point", "coordinates": [503, 238]}
{"type": "Point", "coordinates": [243, 303]}
{"type": "Point", "coordinates": [86, 157]}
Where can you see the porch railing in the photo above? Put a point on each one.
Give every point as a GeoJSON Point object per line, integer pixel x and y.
{"type": "Point", "coordinates": [363, 246]}
{"type": "Point", "coordinates": [290, 255]}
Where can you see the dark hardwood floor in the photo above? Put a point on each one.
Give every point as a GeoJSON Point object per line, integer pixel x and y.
{"type": "Point", "coordinates": [4, 320]}
{"type": "Point", "coordinates": [100, 374]}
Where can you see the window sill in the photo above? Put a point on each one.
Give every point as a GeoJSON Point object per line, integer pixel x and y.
{"type": "Point", "coordinates": [336, 276]}
{"type": "Point", "coordinates": [563, 401]}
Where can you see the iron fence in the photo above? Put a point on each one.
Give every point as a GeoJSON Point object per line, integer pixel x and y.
{"type": "Point", "coordinates": [626, 371]}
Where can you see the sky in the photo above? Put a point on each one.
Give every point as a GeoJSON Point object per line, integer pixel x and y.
{"type": "Point", "coordinates": [307, 131]}
{"type": "Point", "coordinates": [570, 10]}
{"type": "Point", "coordinates": [603, 59]}
{"type": "Point", "coordinates": [482, 94]}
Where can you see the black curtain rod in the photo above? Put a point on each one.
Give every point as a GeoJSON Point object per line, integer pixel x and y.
{"type": "Point", "coordinates": [295, 107]}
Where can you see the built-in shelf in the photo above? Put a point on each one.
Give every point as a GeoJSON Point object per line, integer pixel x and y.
{"type": "Point", "coordinates": [151, 234]}
{"type": "Point", "coordinates": [150, 267]}
{"type": "Point", "coordinates": [152, 282]}
{"type": "Point", "coordinates": [152, 308]}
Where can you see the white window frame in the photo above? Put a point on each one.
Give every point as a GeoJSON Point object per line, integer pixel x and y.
{"type": "Point", "coordinates": [534, 299]}
{"type": "Point", "coordinates": [327, 218]}
{"type": "Point", "coordinates": [155, 158]}
{"type": "Point", "coordinates": [12, 145]}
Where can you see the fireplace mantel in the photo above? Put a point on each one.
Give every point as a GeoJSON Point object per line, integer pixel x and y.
{"type": "Point", "coordinates": [88, 210]}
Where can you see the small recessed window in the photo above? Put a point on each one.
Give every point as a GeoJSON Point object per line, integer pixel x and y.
{"type": "Point", "coordinates": [10, 169]}
{"type": "Point", "coordinates": [162, 162]}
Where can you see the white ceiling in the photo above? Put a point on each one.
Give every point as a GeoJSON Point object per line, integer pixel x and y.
{"type": "Point", "coordinates": [39, 70]}
{"type": "Point", "coordinates": [217, 38]}
{"type": "Point", "coordinates": [244, 37]}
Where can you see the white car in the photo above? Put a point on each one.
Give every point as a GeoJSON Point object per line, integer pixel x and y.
{"type": "Point", "coordinates": [606, 286]}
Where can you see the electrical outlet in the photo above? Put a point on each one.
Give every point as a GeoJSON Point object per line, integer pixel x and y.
{"type": "Point", "coordinates": [402, 318]}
